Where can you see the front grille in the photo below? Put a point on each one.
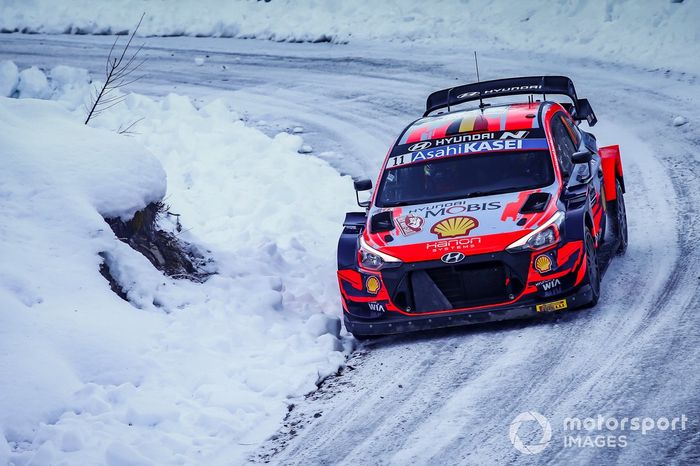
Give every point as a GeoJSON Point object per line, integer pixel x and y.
{"type": "Point", "coordinates": [472, 284]}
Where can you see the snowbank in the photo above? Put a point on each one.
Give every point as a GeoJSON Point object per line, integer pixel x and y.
{"type": "Point", "coordinates": [188, 373]}
{"type": "Point", "coordinates": [652, 33]}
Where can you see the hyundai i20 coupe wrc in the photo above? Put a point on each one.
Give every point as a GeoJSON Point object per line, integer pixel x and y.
{"type": "Point", "coordinates": [501, 211]}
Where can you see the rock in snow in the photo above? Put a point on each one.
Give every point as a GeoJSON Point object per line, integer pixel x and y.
{"type": "Point", "coordinates": [679, 121]}
{"type": "Point", "coordinates": [305, 149]}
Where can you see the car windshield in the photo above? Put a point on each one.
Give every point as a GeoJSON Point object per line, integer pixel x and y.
{"type": "Point", "coordinates": [465, 176]}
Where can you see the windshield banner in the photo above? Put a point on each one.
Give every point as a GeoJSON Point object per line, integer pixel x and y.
{"type": "Point", "coordinates": [422, 153]}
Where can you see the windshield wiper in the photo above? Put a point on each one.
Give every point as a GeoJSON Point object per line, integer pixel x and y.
{"type": "Point", "coordinates": [491, 193]}
{"type": "Point", "coordinates": [398, 204]}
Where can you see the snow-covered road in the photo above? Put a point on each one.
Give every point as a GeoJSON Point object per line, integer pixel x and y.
{"type": "Point", "coordinates": [449, 397]}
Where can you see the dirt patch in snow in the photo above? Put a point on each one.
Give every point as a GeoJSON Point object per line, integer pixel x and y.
{"type": "Point", "coordinates": [167, 253]}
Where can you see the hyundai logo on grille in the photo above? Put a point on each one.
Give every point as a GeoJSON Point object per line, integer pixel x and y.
{"type": "Point", "coordinates": [452, 257]}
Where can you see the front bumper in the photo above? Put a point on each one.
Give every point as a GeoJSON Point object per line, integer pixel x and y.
{"type": "Point", "coordinates": [482, 288]}
{"type": "Point", "coordinates": [395, 323]}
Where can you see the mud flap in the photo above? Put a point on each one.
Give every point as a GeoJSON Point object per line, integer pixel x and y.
{"type": "Point", "coordinates": [612, 170]}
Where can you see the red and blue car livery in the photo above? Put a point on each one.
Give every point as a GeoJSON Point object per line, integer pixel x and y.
{"type": "Point", "coordinates": [497, 212]}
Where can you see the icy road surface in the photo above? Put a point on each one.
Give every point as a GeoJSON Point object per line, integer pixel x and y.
{"type": "Point", "coordinates": [448, 397]}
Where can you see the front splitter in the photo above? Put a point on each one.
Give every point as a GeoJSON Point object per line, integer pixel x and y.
{"type": "Point", "coordinates": [399, 323]}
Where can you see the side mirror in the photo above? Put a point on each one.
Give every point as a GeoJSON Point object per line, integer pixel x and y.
{"type": "Point", "coordinates": [362, 185]}
{"type": "Point", "coordinates": [382, 221]}
{"type": "Point", "coordinates": [581, 157]}
{"type": "Point", "coordinates": [584, 156]}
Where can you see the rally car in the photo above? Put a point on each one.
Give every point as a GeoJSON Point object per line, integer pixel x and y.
{"type": "Point", "coordinates": [499, 211]}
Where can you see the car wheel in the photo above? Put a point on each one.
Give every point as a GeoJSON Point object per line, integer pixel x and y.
{"type": "Point", "coordinates": [620, 215]}
{"type": "Point", "coordinates": [592, 268]}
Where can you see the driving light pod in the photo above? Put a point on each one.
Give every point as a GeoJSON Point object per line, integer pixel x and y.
{"type": "Point", "coordinates": [373, 259]}
{"type": "Point", "coordinates": [544, 236]}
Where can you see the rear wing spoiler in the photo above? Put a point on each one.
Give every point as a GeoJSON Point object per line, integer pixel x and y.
{"type": "Point", "coordinates": [559, 85]}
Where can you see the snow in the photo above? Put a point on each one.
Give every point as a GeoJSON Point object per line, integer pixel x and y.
{"type": "Point", "coordinates": [9, 76]}
{"type": "Point", "coordinates": [33, 84]}
{"type": "Point", "coordinates": [185, 373]}
{"type": "Point", "coordinates": [648, 32]}
{"type": "Point", "coordinates": [58, 324]}
{"type": "Point", "coordinates": [66, 85]}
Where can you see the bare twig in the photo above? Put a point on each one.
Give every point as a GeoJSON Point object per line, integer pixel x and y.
{"type": "Point", "coordinates": [127, 129]}
{"type": "Point", "coordinates": [117, 70]}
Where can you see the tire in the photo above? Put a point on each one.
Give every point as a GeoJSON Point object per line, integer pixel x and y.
{"type": "Point", "coordinates": [592, 268]}
{"type": "Point", "coordinates": [619, 216]}
{"type": "Point", "coordinates": [364, 337]}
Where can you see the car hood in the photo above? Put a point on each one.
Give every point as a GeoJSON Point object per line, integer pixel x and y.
{"type": "Point", "coordinates": [475, 225]}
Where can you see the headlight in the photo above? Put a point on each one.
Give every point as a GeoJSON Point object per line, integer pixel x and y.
{"type": "Point", "coordinates": [372, 259]}
{"type": "Point", "coordinates": [544, 236]}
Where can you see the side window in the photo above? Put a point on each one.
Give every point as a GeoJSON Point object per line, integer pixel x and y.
{"type": "Point", "coordinates": [563, 144]}
{"type": "Point", "coordinates": [573, 130]}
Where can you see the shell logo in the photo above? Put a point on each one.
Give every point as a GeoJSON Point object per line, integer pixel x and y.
{"type": "Point", "coordinates": [543, 263]}
{"type": "Point", "coordinates": [373, 285]}
{"type": "Point", "coordinates": [454, 226]}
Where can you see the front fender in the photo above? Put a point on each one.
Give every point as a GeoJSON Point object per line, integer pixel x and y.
{"type": "Point", "coordinates": [577, 213]}
{"type": "Point", "coordinates": [347, 244]}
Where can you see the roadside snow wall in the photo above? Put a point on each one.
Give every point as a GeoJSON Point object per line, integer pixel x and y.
{"type": "Point", "coordinates": [650, 33]}
{"type": "Point", "coordinates": [185, 373]}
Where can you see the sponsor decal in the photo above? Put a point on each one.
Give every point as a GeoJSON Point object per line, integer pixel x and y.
{"type": "Point", "coordinates": [500, 90]}
{"type": "Point", "coordinates": [376, 307]}
{"type": "Point", "coordinates": [454, 226]}
{"type": "Point", "coordinates": [452, 257]}
{"type": "Point", "coordinates": [549, 284]}
{"type": "Point", "coordinates": [554, 306]}
{"type": "Point", "coordinates": [471, 137]}
{"type": "Point", "coordinates": [466, 148]}
{"type": "Point", "coordinates": [420, 146]}
{"type": "Point", "coordinates": [453, 244]}
{"type": "Point", "coordinates": [543, 263]}
{"type": "Point", "coordinates": [466, 95]}
{"type": "Point", "coordinates": [512, 209]}
{"type": "Point", "coordinates": [467, 137]}
{"type": "Point", "coordinates": [454, 208]}
{"type": "Point", "coordinates": [373, 285]}
{"type": "Point", "coordinates": [410, 224]}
